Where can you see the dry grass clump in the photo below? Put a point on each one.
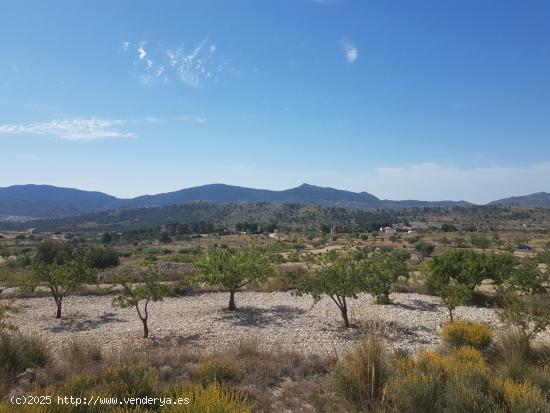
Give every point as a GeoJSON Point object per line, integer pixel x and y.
{"type": "Point", "coordinates": [520, 397]}
{"type": "Point", "coordinates": [434, 382]}
{"type": "Point", "coordinates": [464, 333]}
{"type": "Point", "coordinates": [83, 353]}
{"type": "Point", "coordinates": [513, 375]}
{"type": "Point", "coordinates": [19, 352]}
{"type": "Point", "coordinates": [361, 377]}
{"type": "Point", "coordinates": [218, 368]}
{"type": "Point", "coordinates": [211, 399]}
{"type": "Point", "coordinates": [285, 278]}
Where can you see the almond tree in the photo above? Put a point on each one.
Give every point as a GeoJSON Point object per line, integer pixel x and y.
{"type": "Point", "coordinates": [139, 288]}
{"type": "Point", "coordinates": [381, 269]}
{"type": "Point", "coordinates": [61, 279]}
{"type": "Point", "coordinates": [233, 269]}
{"type": "Point", "coordinates": [60, 268]}
{"type": "Point", "coordinates": [340, 278]}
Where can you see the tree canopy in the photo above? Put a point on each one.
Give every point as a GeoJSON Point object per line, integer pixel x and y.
{"type": "Point", "coordinates": [233, 269]}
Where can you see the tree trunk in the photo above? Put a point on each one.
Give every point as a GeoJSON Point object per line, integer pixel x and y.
{"type": "Point", "coordinates": [232, 306]}
{"type": "Point", "coordinates": [344, 311]}
{"type": "Point", "coordinates": [58, 303]}
{"type": "Point", "coordinates": [145, 328]}
{"type": "Point", "coordinates": [451, 314]}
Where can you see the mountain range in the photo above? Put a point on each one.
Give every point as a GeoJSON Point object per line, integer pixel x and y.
{"type": "Point", "coordinates": [24, 202]}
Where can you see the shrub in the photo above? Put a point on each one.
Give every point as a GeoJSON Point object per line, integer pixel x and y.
{"type": "Point", "coordinates": [434, 382]}
{"type": "Point", "coordinates": [129, 381]}
{"type": "Point", "coordinates": [361, 377]}
{"type": "Point", "coordinates": [218, 368]}
{"type": "Point", "coordinates": [413, 392]}
{"type": "Point", "coordinates": [18, 353]}
{"type": "Point", "coordinates": [513, 352]}
{"type": "Point", "coordinates": [463, 333]}
{"type": "Point", "coordinates": [286, 278]}
{"type": "Point", "coordinates": [520, 397]}
{"type": "Point", "coordinates": [211, 399]}
{"type": "Point", "coordinates": [469, 392]}
{"type": "Point", "coordinates": [81, 353]}
{"type": "Point", "coordinates": [102, 257]}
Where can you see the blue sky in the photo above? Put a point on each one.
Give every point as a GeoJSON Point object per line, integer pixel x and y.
{"type": "Point", "coordinates": [431, 99]}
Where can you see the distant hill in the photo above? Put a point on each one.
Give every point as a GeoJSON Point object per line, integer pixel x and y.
{"type": "Point", "coordinates": [533, 200]}
{"type": "Point", "coordinates": [36, 201]}
{"type": "Point", "coordinates": [25, 202]}
{"type": "Point", "coordinates": [221, 193]}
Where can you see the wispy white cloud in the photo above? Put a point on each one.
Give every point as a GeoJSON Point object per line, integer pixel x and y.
{"type": "Point", "coordinates": [193, 118]}
{"type": "Point", "coordinates": [125, 46]}
{"type": "Point", "coordinates": [141, 51]}
{"type": "Point", "coordinates": [350, 52]}
{"type": "Point", "coordinates": [192, 66]}
{"type": "Point", "coordinates": [151, 119]}
{"type": "Point", "coordinates": [73, 129]}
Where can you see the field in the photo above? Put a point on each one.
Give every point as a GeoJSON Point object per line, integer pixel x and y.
{"type": "Point", "coordinates": [276, 315]}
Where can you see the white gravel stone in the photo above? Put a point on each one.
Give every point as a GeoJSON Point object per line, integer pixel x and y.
{"type": "Point", "coordinates": [275, 320]}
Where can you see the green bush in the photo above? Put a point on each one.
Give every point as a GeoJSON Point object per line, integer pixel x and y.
{"type": "Point", "coordinates": [102, 257]}
{"type": "Point", "coordinates": [18, 353]}
{"type": "Point", "coordinates": [463, 333]}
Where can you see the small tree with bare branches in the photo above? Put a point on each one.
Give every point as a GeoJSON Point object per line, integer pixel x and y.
{"type": "Point", "coordinates": [139, 288]}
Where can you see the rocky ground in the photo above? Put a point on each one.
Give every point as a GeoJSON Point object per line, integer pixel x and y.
{"type": "Point", "coordinates": [275, 320]}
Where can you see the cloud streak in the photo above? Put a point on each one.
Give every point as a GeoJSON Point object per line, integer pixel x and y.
{"type": "Point", "coordinates": [350, 52]}
{"type": "Point", "coordinates": [192, 66]}
{"type": "Point", "coordinates": [193, 118]}
{"type": "Point", "coordinates": [73, 129]}
{"type": "Point", "coordinates": [141, 51]}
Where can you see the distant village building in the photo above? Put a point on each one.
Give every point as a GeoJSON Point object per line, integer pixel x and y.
{"type": "Point", "coordinates": [403, 228]}
{"type": "Point", "coordinates": [388, 230]}
{"type": "Point", "coordinates": [339, 229]}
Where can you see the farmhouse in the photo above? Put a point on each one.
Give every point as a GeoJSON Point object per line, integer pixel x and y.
{"type": "Point", "coordinates": [339, 229]}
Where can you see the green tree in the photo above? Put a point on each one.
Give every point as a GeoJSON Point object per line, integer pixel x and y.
{"type": "Point", "coordinates": [165, 237]}
{"type": "Point", "coordinates": [60, 279]}
{"type": "Point", "coordinates": [102, 257]}
{"type": "Point", "coordinates": [468, 268]}
{"type": "Point", "coordinates": [527, 299]}
{"type": "Point", "coordinates": [233, 269]}
{"type": "Point", "coordinates": [139, 289]}
{"type": "Point", "coordinates": [529, 279]}
{"type": "Point", "coordinates": [481, 242]}
{"type": "Point", "coordinates": [340, 277]}
{"type": "Point", "coordinates": [106, 238]}
{"type": "Point", "coordinates": [453, 295]}
{"type": "Point", "coordinates": [424, 249]}
{"type": "Point", "coordinates": [381, 269]}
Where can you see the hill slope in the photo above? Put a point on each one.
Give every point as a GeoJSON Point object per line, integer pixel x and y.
{"type": "Point", "coordinates": [52, 202]}
{"type": "Point", "coordinates": [537, 199]}
{"type": "Point", "coordinates": [22, 202]}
